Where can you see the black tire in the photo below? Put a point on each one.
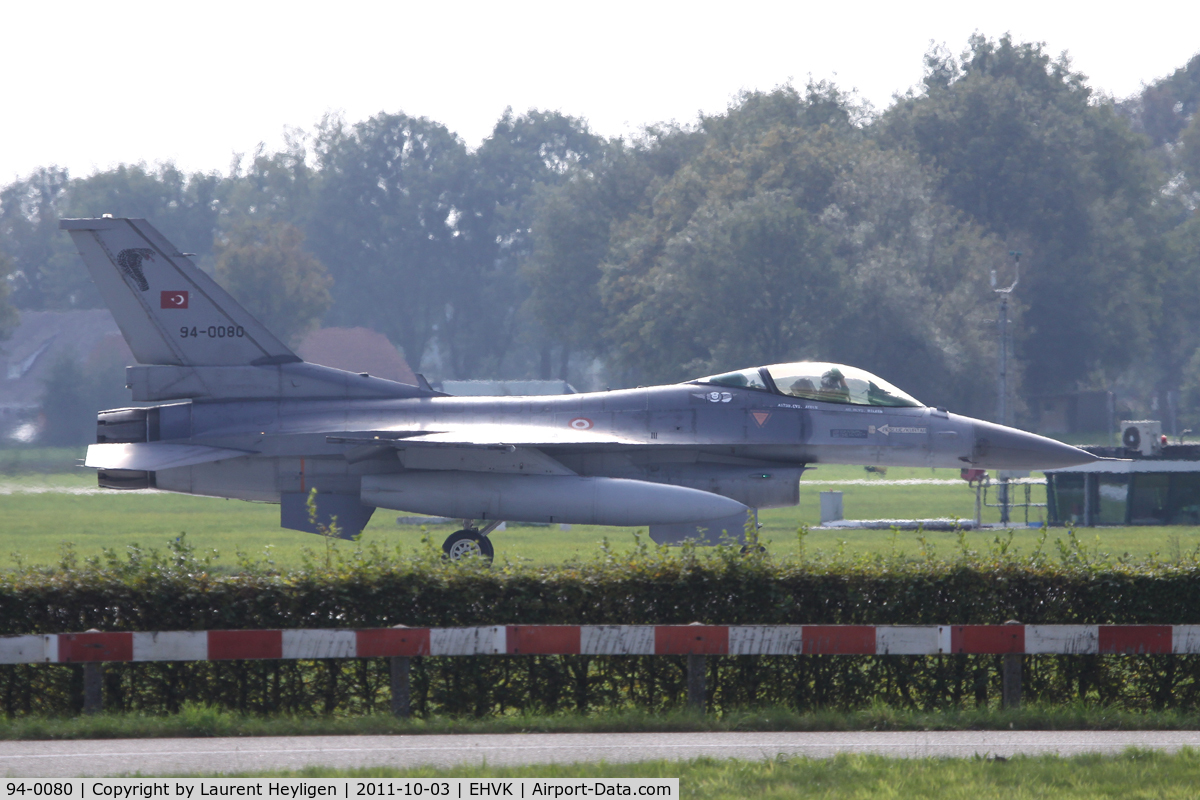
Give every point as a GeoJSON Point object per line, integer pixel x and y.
{"type": "Point", "coordinates": [748, 549]}
{"type": "Point", "coordinates": [467, 544]}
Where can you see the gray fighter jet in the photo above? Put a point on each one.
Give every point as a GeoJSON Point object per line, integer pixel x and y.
{"type": "Point", "coordinates": [240, 415]}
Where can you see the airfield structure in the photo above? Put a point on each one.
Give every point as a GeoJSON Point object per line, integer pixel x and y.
{"type": "Point", "coordinates": [1153, 484]}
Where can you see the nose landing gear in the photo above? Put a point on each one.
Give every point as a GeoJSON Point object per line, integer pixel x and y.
{"type": "Point", "coordinates": [470, 542]}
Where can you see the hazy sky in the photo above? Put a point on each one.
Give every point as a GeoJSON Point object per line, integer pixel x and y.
{"type": "Point", "coordinates": [90, 85]}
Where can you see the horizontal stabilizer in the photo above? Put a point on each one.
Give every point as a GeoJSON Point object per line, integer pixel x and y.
{"type": "Point", "coordinates": [152, 456]}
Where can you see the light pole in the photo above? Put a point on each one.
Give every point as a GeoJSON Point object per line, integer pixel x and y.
{"type": "Point", "coordinates": [1002, 415]}
{"type": "Point", "coordinates": [1002, 410]}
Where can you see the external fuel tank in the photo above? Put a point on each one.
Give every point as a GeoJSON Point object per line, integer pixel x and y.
{"type": "Point", "coordinates": [544, 498]}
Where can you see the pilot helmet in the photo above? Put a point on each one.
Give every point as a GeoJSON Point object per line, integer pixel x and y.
{"type": "Point", "coordinates": [833, 377]}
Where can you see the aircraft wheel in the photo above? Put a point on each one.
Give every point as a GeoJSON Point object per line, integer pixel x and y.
{"type": "Point", "coordinates": [757, 550]}
{"type": "Point", "coordinates": [467, 544]}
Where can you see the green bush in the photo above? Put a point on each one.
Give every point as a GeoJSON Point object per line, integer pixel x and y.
{"type": "Point", "coordinates": [180, 590]}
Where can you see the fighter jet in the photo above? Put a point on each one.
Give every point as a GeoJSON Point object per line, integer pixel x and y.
{"type": "Point", "coordinates": [237, 414]}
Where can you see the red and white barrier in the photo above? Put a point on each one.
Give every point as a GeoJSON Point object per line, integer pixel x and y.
{"type": "Point", "coordinates": [713, 640]}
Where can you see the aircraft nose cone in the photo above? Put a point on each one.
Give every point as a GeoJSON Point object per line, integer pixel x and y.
{"type": "Point", "coordinates": [1001, 447]}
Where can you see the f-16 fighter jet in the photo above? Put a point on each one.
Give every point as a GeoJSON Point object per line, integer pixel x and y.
{"type": "Point", "coordinates": [240, 415]}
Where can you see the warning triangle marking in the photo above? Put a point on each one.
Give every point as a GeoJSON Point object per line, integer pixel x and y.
{"type": "Point", "coordinates": [761, 417]}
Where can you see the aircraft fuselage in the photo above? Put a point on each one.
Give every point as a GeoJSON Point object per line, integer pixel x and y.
{"type": "Point", "coordinates": [686, 434]}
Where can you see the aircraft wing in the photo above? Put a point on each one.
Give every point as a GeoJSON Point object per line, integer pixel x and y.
{"type": "Point", "coordinates": [531, 435]}
{"type": "Point", "coordinates": [489, 435]}
{"type": "Point", "coordinates": [479, 448]}
{"type": "Point", "coordinates": [151, 456]}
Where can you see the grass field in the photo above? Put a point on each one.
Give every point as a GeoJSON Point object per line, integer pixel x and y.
{"type": "Point", "coordinates": [20, 460]}
{"type": "Point", "coordinates": [34, 523]}
{"type": "Point", "coordinates": [194, 721]}
{"type": "Point", "coordinates": [1133, 774]}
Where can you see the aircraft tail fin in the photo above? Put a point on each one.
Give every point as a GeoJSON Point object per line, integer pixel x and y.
{"type": "Point", "coordinates": [169, 311]}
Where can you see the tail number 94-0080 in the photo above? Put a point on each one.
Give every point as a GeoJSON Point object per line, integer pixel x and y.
{"type": "Point", "coordinates": [213, 332]}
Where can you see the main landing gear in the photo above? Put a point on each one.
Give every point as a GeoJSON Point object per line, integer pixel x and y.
{"type": "Point", "coordinates": [470, 543]}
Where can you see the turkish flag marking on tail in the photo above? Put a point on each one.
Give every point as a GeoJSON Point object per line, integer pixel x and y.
{"type": "Point", "coordinates": [174, 299]}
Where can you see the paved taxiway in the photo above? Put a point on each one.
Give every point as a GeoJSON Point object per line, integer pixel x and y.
{"type": "Point", "coordinates": [53, 759]}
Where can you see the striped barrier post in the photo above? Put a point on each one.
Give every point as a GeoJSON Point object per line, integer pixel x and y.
{"type": "Point", "coordinates": [1010, 677]}
{"type": "Point", "coordinates": [93, 688]}
{"type": "Point", "coordinates": [695, 682]}
{"type": "Point", "coordinates": [695, 642]}
{"type": "Point", "coordinates": [401, 689]}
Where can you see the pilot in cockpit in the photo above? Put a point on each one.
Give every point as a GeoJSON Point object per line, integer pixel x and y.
{"type": "Point", "coordinates": [818, 380]}
{"type": "Point", "coordinates": [736, 379]}
{"type": "Point", "coordinates": [802, 387]}
{"type": "Point", "coordinates": [833, 386]}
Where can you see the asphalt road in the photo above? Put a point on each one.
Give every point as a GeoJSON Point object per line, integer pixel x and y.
{"type": "Point", "coordinates": [53, 759]}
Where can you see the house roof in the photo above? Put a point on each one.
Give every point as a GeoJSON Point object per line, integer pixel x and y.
{"type": "Point", "coordinates": [41, 338]}
{"type": "Point", "coordinates": [356, 350]}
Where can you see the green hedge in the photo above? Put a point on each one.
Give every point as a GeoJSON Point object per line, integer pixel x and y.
{"type": "Point", "coordinates": [180, 590]}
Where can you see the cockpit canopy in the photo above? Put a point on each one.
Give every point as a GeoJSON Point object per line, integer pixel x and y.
{"type": "Point", "coordinates": [818, 380]}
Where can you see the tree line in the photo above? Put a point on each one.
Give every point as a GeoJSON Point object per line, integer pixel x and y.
{"type": "Point", "coordinates": [798, 224]}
